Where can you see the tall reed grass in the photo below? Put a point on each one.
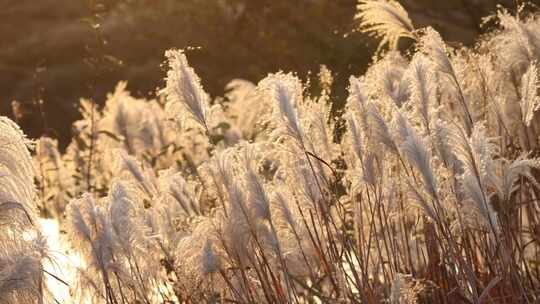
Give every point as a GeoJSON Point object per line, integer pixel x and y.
{"type": "Point", "coordinates": [423, 189]}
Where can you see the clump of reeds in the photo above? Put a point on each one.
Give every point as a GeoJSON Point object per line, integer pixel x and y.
{"type": "Point", "coordinates": [424, 189]}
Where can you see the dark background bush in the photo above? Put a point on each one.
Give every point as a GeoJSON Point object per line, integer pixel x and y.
{"type": "Point", "coordinates": [53, 51]}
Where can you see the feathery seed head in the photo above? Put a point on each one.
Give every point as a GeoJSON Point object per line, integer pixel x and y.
{"type": "Point", "coordinates": [385, 19]}
{"type": "Point", "coordinates": [285, 92]}
{"type": "Point", "coordinates": [186, 97]}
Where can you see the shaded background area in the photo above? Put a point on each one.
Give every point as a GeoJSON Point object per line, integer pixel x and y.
{"type": "Point", "coordinates": [54, 50]}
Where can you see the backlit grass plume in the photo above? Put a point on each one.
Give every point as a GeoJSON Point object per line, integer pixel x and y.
{"type": "Point", "coordinates": [385, 19]}
{"type": "Point", "coordinates": [186, 97]}
{"type": "Point", "coordinates": [530, 101]}
{"type": "Point", "coordinates": [21, 248]}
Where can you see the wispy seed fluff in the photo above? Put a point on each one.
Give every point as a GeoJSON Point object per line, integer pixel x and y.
{"type": "Point", "coordinates": [184, 92]}
{"type": "Point", "coordinates": [519, 43]}
{"type": "Point", "coordinates": [386, 19]}
{"type": "Point", "coordinates": [422, 89]}
{"type": "Point", "coordinates": [285, 92]}
{"type": "Point", "coordinates": [17, 182]}
{"type": "Point", "coordinates": [357, 94]}
{"type": "Point", "coordinates": [358, 100]}
{"type": "Point", "coordinates": [21, 250]}
{"type": "Point", "coordinates": [530, 101]}
{"type": "Point", "coordinates": [414, 149]}
{"type": "Point", "coordinates": [257, 196]}
{"type": "Point", "coordinates": [434, 47]}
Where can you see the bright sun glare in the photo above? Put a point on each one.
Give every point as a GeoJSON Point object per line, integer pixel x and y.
{"type": "Point", "coordinates": [62, 265]}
